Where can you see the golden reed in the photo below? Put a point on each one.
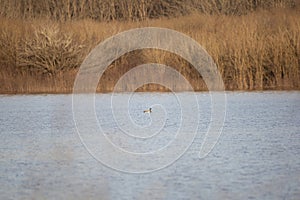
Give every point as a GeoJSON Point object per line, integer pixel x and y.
{"type": "Point", "coordinates": [255, 44]}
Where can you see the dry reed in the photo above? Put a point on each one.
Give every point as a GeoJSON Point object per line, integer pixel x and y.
{"type": "Point", "coordinates": [256, 51]}
{"type": "Point", "coordinates": [106, 10]}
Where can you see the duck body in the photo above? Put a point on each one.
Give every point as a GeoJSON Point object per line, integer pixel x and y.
{"type": "Point", "coordinates": [148, 111]}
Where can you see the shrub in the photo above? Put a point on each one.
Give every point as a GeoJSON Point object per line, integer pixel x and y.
{"type": "Point", "coordinates": [51, 51]}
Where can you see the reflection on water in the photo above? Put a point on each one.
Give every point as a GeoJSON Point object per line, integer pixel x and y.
{"type": "Point", "coordinates": [257, 156]}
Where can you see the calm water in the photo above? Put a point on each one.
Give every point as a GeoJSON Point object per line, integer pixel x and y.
{"type": "Point", "coordinates": [256, 157]}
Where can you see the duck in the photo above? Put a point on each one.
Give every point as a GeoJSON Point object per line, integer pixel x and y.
{"type": "Point", "coordinates": [148, 111]}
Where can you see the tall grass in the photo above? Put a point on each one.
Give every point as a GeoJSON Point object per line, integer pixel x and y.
{"type": "Point", "coordinates": [254, 51]}
{"type": "Point", "coordinates": [106, 10]}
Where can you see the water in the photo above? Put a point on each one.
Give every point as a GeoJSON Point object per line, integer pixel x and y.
{"type": "Point", "coordinates": [256, 157]}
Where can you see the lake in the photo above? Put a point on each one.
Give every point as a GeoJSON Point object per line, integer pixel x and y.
{"type": "Point", "coordinates": [50, 151]}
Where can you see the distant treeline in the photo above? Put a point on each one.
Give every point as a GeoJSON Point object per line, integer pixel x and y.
{"type": "Point", "coordinates": [107, 10]}
{"type": "Point", "coordinates": [255, 44]}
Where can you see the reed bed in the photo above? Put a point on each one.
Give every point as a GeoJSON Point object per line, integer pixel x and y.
{"type": "Point", "coordinates": [254, 48]}
{"type": "Point", "coordinates": [107, 10]}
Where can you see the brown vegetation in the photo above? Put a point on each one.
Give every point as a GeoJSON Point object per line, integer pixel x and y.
{"type": "Point", "coordinates": [107, 10]}
{"type": "Point", "coordinates": [42, 44]}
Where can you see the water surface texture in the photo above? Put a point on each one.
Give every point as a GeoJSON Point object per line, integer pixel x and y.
{"type": "Point", "coordinates": [256, 157]}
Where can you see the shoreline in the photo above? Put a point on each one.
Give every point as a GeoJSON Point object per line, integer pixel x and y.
{"type": "Point", "coordinates": [157, 92]}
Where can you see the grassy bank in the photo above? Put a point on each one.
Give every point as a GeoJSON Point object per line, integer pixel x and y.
{"type": "Point", "coordinates": [254, 50]}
